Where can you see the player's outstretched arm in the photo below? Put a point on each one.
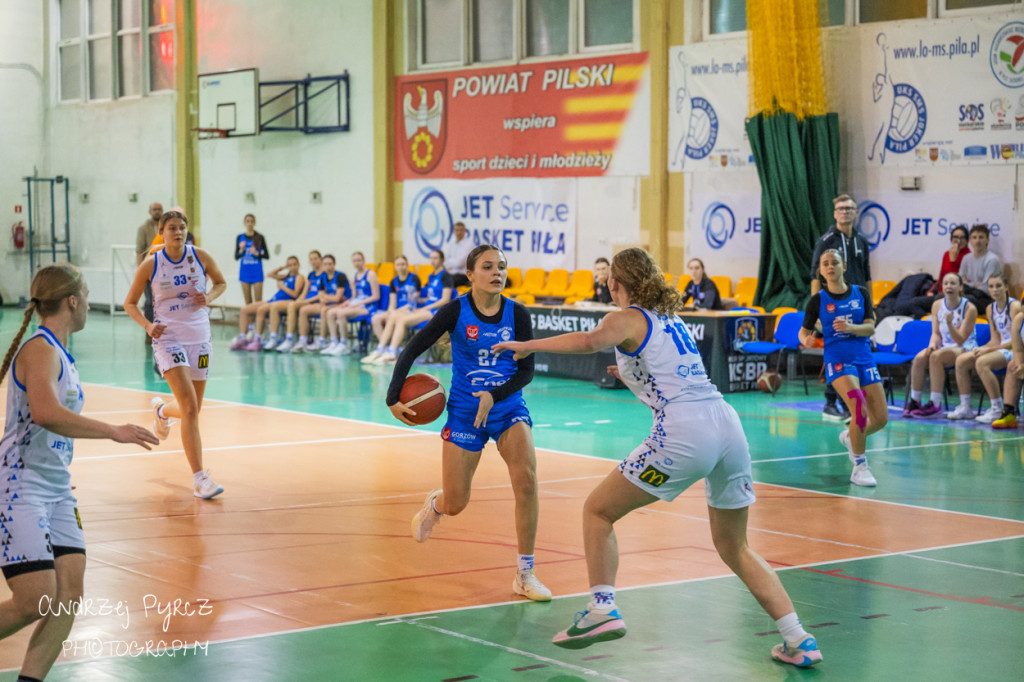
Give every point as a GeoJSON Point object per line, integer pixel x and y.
{"type": "Point", "coordinates": [613, 330]}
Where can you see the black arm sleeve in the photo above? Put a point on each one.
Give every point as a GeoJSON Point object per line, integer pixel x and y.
{"type": "Point", "coordinates": [812, 312]}
{"type": "Point", "coordinates": [869, 307]}
{"type": "Point", "coordinates": [524, 367]}
{"type": "Point", "coordinates": [238, 255]}
{"type": "Point", "coordinates": [443, 321]}
{"type": "Point", "coordinates": [714, 298]}
{"type": "Point", "coordinates": [688, 293]}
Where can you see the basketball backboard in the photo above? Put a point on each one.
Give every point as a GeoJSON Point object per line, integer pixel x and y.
{"type": "Point", "coordinates": [228, 101]}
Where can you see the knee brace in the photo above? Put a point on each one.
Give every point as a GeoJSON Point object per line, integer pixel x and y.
{"type": "Point", "coordinates": [860, 411]}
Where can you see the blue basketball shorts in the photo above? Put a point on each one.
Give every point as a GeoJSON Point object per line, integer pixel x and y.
{"type": "Point", "coordinates": [459, 429]}
{"type": "Point", "coordinates": [866, 372]}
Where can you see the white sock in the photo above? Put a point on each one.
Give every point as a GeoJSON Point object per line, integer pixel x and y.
{"type": "Point", "coordinates": [791, 629]}
{"type": "Point", "coordinates": [252, 327]}
{"type": "Point", "coordinates": [393, 350]}
{"type": "Point", "coordinates": [524, 562]}
{"type": "Point", "coordinates": [290, 337]}
{"type": "Point", "coordinates": [965, 400]}
{"type": "Point", "coordinates": [198, 476]}
{"type": "Point", "coordinates": [160, 411]}
{"type": "Point", "coordinates": [334, 339]}
{"type": "Point", "coordinates": [997, 403]}
{"type": "Point", "coordinates": [936, 398]}
{"type": "Point", "coordinates": [433, 505]}
{"type": "Point", "coordinates": [380, 349]}
{"type": "Point", "coordinates": [602, 597]}
{"type": "Point", "coordinates": [915, 395]}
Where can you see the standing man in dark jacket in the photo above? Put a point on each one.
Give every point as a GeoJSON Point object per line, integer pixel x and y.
{"type": "Point", "coordinates": [846, 240]}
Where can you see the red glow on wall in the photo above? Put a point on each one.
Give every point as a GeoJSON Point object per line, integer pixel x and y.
{"type": "Point", "coordinates": [167, 47]}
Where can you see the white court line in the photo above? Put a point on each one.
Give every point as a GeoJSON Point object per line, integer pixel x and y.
{"type": "Point", "coordinates": [889, 449]}
{"type": "Point", "coordinates": [956, 563]}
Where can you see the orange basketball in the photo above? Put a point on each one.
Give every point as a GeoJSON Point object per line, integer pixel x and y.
{"type": "Point", "coordinates": [769, 381]}
{"type": "Point", "coordinates": [425, 395]}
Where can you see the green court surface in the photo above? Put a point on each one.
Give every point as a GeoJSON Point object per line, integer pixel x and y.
{"type": "Point", "coordinates": [942, 613]}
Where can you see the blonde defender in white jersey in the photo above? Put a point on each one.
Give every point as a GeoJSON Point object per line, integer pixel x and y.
{"type": "Point", "coordinates": [986, 360]}
{"type": "Point", "coordinates": [695, 435]}
{"type": "Point", "coordinates": [180, 329]}
{"type": "Point", "coordinates": [42, 544]}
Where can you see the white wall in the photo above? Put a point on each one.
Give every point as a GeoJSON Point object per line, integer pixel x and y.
{"type": "Point", "coordinates": [23, 83]}
{"type": "Point", "coordinates": [282, 169]}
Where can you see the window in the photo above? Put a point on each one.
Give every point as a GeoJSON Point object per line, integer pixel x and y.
{"type": "Point", "coordinates": [103, 45]}
{"type": "Point", "coordinates": [452, 33]}
{"type": "Point", "coordinates": [891, 10]}
{"type": "Point", "coordinates": [954, 5]}
{"type": "Point", "coordinates": [730, 16]}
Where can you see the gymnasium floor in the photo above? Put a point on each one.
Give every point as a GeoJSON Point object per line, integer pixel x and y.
{"type": "Point", "coordinates": [304, 568]}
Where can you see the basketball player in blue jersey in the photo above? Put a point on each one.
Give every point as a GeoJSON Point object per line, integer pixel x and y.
{"type": "Point", "coordinates": [334, 289]}
{"type": "Point", "coordinates": [289, 284]}
{"type": "Point", "coordinates": [182, 346]}
{"type": "Point", "coordinates": [986, 360]}
{"type": "Point", "coordinates": [363, 302]}
{"type": "Point", "coordinates": [696, 435]}
{"type": "Point", "coordinates": [953, 332]}
{"type": "Point", "coordinates": [42, 546]}
{"type": "Point", "coordinates": [405, 287]}
{"type": "Point", "coordinates": [291, 308]}
{"type": "Point", "coordinates": [436, 292]}
{"type": "Point", "coordinates": [250, 252]}
{"type": "Point", "coordinates": [485, 401]}
{"type": "Point", "coordinates": [846, 319]}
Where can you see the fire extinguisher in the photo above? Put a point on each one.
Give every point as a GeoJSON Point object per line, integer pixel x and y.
{"type": "Point", "coordinates": [18, 235]}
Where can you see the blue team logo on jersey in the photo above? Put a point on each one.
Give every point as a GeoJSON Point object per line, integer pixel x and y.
{"type": "Point", "coordinates": [505, 333]}
{"type": "Point", "coordinates": [683, 371]}
{"type": "Point", "coordinates": [873, 223]}
{"type": "Point", "coordinates": [431, 220]}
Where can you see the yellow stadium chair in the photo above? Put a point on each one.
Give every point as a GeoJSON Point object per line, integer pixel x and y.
{"type": "Point", "coordinates": [533, 283]}
{"type": "Point", "coordinates": [668, 278]}
{"type": "Point", "coordinates": [684, 280]}
{"type": "Point", "coordinates": [879, 288]}
{"type": "Point", "coordinates": [386, 272]}
{"type": "Point", "coordinates": [557, 284]}
{"type": "Point", "coordinates": [371, 266]}
{"type": "Point", "coordinates": [463, 289]}
{"type": "Point", "coordinates": [515, 278]}
{"type": "Point", "coordinates": [423, 272]}
{"type": "Point", "coordinates": [782, 310]}
{"type": "Point", "coordinates": [724, 285]}
{"type": "Point", "coordinates": [526, 299]}
{"type": "Point", "coordinates": [581, 286]}
{"type": "Point", "coordinates": [745, 290]}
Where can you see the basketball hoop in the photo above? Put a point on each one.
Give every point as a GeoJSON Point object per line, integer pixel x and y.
{"type": "Point", "coordinates": [210, 133]}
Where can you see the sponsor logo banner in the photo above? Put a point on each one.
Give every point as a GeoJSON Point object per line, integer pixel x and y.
{"type": "Point", "coordinates": [580, 117]}
{"type": "Point", "coordinates": [533, 221]}
{"type": "Point", "coordinates": [730, 225]}
{"type": "Point", "coordinates": [708, 106]}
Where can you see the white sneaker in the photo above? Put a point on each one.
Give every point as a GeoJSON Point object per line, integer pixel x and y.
{"type": "Point", "coordinates": [862, 476]}
{"type": "Point", "coordinates": [371, 356]}
{"type": "Point", "coordinates": [299, 347]}
{"type": "Point", "coordinates": [285, 346]}
{"type": "Point", "coordinates": [989, 415]}
{"type": "Point", "coordinates": [206, 488]}
{"type": "Point", "coordinates": [526, 584]}
{"type": "Point", "coordinates": [345, 349]}
{"type": "Point", "coordinates": [316, 346]}
{"type": "Point", "coordinates": [331, 348]}
{"type": "Point", "coordinates": [844, 438]}
{"type": "Point", "coordinates": [385, 359]}
{"type": "Point", "coordinates": [426, 518]}
{"type": "Point", "coordinates": [961, 412]}
{"type": "Point", "coordinates": [161, 425]}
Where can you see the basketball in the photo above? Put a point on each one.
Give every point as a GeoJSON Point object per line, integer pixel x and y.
{"type": "Point", "coordinates": [425, 396]}
{"type": "Point", "coordinates": [769, 381]}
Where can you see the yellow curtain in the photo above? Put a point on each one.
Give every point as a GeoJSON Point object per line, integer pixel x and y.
{"type": "Point", "coordinates": [786, 65]}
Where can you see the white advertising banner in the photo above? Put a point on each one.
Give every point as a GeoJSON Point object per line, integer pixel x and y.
{"type": "Point", "coordinates": [730, 226]}
{"type": "Point", "coordinates": [708, 106]}
{"type": "Point", "coordinates": [532, 220]}
{"type": "Point", "coordinates": [941, 92]}
{"type": "Point", "coordinates": [903, 226]}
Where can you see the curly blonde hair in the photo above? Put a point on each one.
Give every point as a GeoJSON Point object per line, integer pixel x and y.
{"type": "Point", "coordinates": [51, 285]}
{"type": "Point", "coordinates": [643, 279]}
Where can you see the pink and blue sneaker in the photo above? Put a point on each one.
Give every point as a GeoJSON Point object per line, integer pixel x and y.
{"type": "Point", "coordinates": [590, 627]}
{"type": "Point", "coordinates": [804, 655]}
{"type": "Point", "coordinates": [927, 411]}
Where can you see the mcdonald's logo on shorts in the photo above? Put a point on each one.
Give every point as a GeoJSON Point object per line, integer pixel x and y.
{"type": "Point", "coordinates": [653, 477]}
{"type": "Point", "coordinates": [204, 361]}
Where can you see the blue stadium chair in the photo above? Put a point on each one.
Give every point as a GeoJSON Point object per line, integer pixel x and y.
{"type": "Point", "coordinates": [364, 329]}
{"type": "Point", "coordinates": [911, 339]}
{"type": "Point", "coordinates": [787, 340]}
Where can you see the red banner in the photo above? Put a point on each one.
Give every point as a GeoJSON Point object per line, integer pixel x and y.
{"type": "Point", "coordinates": [551, 119]}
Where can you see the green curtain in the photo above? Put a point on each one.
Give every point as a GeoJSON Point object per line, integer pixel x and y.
{"type": "Point", "coordinates": [798, 165]}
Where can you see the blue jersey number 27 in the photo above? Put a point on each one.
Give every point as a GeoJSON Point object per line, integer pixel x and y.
{"type": "Point", "coordinates": [680, 334]}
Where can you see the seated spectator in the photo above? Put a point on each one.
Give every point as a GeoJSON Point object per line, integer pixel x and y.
{"type": "Point", "coordinates": [701, 293]}
{"type": "Point", "coordinates": [601, 270]}
{"type": "Point", "coordinates": [951, 259]}
{"type": "Point", "coordinates": [1014, 376]}
{"type": "Point", "coordinates": [457, 249]}
{"type": "Point", "coordinates": [978, 266]}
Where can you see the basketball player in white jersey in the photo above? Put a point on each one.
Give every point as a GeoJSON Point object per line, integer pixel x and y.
{"type": "Point", "coordinates": [696, 435]}
{"type": "Point", "coordinates": [42, 546]}
{"type": "Point", "coordinates": [181, 334]}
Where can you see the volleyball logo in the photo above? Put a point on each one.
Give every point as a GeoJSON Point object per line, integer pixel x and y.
{"type": "Point", "coordinates": [1006, 56]}
{"type": "Point", "coordinates": [908, 120]}
{"type": "Point", "coordinates": [431, 220]}
{"type": "Point", "coordinates": [719, 224]}
{"type": "Point", "coordinates": [873, 223]}
{"type": "Point", "coordinates": [703, 132]}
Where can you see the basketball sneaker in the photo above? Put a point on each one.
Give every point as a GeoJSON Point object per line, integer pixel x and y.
{"type": "Point", "coordinates": [831, 412]}
{"type": "Point", "coordinates": [910, 407]}
{"type": "Point", "coordinates": [803, 655]}
{"type": "Point", "coordinates": [961, 412]}
{"type": "Point", "coordinates": [989, 415]}
{"type": "Point", "coordinates": [426, 518]}
{"type": "Point", "coordinates": [331, 349]}
{"type": "Point", "coordinates": [1008, 420]}
{"type": "Point", "coordinates": [272, 342]}
{"type": "Point", "coordinates": [862, 476]}
{"type": "Point", "coordinates": [317, 345]}
{"type": "Point", "coordinates": [206, 488]}
{"type": "Point", "coordinates": [254, 345]}
{"type": "Point", "coordinates": [385, 359]}
{"type": "Point", "coordinates": [239, 342]}
{"type": "Point", "coordinates": [161, 425]}
{"type": "Point", "coordinates": [590, 627]}
{"type": "Point", "coordinates": [927, 411]}
{"type": "Point", "coordinates": [285, 345]}
{"type": "Point", "coordinates": [844, 439]}
{"type": "Point", "coordinates": [371, 356]}
{"type": "Point", "coordinates": [527, 585]}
